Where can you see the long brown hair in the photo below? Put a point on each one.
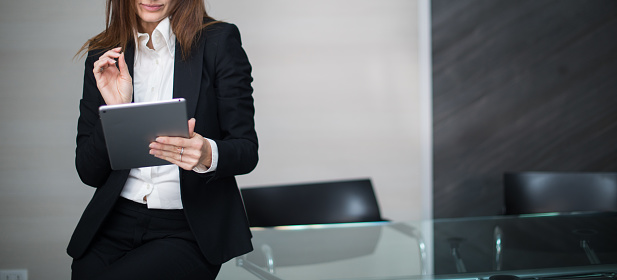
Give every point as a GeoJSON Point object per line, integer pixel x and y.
{"type": "Point", "coordinates": [188, 19]}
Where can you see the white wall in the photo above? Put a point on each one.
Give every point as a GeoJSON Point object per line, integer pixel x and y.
{"type": "Point", "coordinates": [337, 90]}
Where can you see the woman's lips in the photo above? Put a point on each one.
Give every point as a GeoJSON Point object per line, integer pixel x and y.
{"type": "Point", "coordinates": [152, 8]}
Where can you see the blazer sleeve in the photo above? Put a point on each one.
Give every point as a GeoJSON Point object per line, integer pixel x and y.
{"type": "Point", "coordinates": [91, 159]}
{"type": "Point", "coordinates": [232, 85]}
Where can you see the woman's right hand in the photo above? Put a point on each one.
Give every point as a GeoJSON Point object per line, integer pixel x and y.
{"type": "Point", "coordinates": [114, 83]}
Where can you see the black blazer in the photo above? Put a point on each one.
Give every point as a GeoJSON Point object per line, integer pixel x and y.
{"type": "Point", "coordinates": [216, 82]}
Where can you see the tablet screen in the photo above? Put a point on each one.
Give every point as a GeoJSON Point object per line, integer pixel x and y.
{"type": "Point", "coordinates": [130, 128]}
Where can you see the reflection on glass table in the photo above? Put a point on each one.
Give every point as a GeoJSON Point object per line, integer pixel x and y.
{"type": "Point", "coordinates": [573, 246]}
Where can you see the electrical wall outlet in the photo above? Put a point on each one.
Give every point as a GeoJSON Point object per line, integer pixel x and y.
{"type": "Point", "coordinates": [13, 274]}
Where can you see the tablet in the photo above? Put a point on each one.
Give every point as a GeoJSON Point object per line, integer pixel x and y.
{"type": "Point", "coordinates": [130, 128]}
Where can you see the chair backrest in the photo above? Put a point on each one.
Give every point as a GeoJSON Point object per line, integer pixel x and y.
{"type": "Point", "coordinates": [542, 192]}
{"type": "Point", "coordinates": [314, 203]}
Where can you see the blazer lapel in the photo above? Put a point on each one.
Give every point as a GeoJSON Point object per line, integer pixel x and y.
{"type": "Point", "coordinates": [129, 58]}
{"type": "Point", "coordinates": [187, 75]}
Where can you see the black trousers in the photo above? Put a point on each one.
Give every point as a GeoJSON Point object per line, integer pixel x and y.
{"type": "Point", "coordinates": [140, 243]}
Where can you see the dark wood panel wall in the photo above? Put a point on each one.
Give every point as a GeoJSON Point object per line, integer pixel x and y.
{"type": "Point", "coordinates": [519, 86]}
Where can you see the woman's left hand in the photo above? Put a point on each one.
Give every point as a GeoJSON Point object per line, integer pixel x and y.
{"type": "Point", "coordinates": [184, 152]}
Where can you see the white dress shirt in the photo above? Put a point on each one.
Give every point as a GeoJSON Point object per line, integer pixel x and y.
{"type": "Point", "coordinates": [153, 77]}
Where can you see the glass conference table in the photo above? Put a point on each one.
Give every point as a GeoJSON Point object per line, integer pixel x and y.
{"type": "Point", "coordinates": [580, 246]}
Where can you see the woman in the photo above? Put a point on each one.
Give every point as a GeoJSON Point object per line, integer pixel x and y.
{"type": "Point", "coordinates": [177, 221]}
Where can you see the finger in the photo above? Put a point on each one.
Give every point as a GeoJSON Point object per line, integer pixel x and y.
{"type": "Point", "coordinates": [99, 64]}
{"type": "Point", "coordinates": [182, 164]}
{"type": "Point", "coordinates": [174, 141]}
{"type": "Point", "coordinates": [124, 69]}
{"type": "Point", "coordinates": [115, 52]}
{"type": "Point", "coordinates": [102, 64]}
{"type": "Point", "coordinates": [173, 157]}
{"type": "Point", "coordinates": [187, 163]}
{"type": "Point", "coordinates": [191, 127]}
{"type": "Point", "coordinates": [109, 55]}
{"type": "Point", "coordinates": [190, 151]}
{"type": "Point", "coordinates": [165, 147]}
{"type": "Point", "coordinates": [109, 62]}
{"type": "Point", "coordinates": [97, 69]}
{"type": "Point", "coordinates": [166, 155]}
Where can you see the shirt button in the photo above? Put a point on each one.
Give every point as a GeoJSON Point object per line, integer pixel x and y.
{"type": "Point", "coordinates": [148, 186]}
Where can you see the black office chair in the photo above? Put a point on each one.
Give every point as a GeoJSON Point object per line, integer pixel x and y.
{"type": "Point", "coordinates": [314, 203]}
{"type": "Point", "coordinates": [305, 204]}
{"type": "Point", "coordinates": [542, 192]}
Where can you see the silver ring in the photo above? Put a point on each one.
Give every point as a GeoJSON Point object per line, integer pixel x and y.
{"type": "Point", "coordinates": [181, 152]}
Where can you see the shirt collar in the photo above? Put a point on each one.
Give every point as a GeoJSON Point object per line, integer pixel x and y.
{"type": "Point", "coordinates": [163, 28]}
